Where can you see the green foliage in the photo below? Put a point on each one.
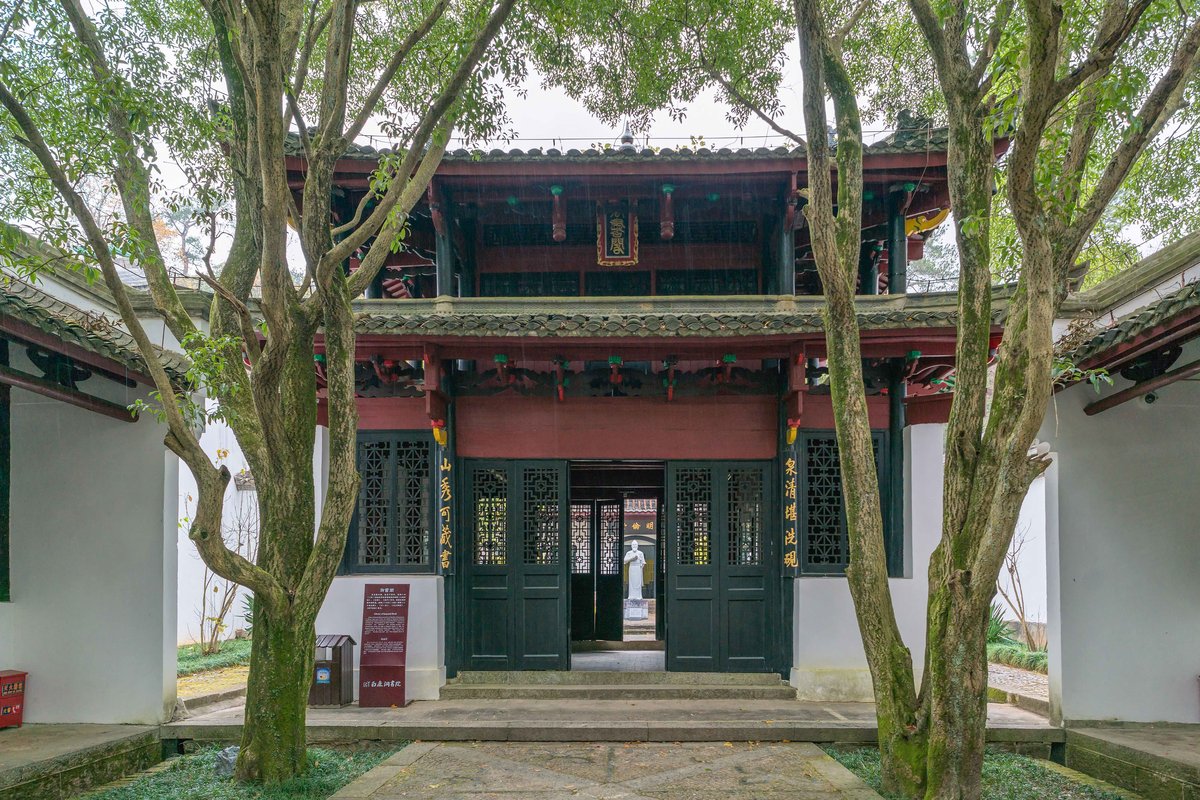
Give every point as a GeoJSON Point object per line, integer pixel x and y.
{"type": "Point", "coordinates": [1019, 656]}
{"type": "Point", "coordinates": [1065, 373]}
{"type": "Point", "coordinates": [234, 652]}
{"type": "Point", "coordinates": [191, 778]}
{"type": "Point", "coordinates": [1006, 776]}
{"type": "Point", "coordinates": [248, 613]}
{"type": "Point", "coordinates": [998, 630]}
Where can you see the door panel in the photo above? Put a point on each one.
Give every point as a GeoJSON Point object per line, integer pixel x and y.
{"type": "Point", "coordinates": [609, 526]}
{"type": "Point", "coordinates": [721, 568]}
{"type": "Point", "coordinates": [516, 578]}
{"type": "Point", "coordinates": [583, 581]}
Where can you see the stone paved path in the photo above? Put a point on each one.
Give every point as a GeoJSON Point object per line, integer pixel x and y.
{"type": "Point", "coordinates": [211, 681]}
{"type": "Point", "coordinates": [540, 771]}
{"type": "Point", "coordinates": [1019, 681]}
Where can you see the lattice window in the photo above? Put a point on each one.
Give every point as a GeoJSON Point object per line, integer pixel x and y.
{"type": "Point", "coordinates": [374, 503]}
{"type": "Point", "coordinates": [414, 496]}
{"type": "Point", "coordinates": [825, 544]}
{"type": "Point", "coordinates": [540, 515]}
{"type": "Point", "coordinates": [693, 516]}
{"type": "Point", "coordinates": [745, 516]}
{"type": "Point", "coordinates": [610, 538]}
{"type": "Point", "coordinates": [489, 496]}
{"type": "Point", "coordinates": [581, 538]}
{"type": "Point", "coordinates": [395, 504]}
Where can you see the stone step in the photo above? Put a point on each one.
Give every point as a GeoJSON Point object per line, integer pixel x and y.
{"type": "Point", "coordinates": [614, 678]}
{"type": "Point", "coordinates": [622, 692]}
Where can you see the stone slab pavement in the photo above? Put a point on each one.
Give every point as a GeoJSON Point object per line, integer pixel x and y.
{"type": "Point", "coordinates": [556, 771]}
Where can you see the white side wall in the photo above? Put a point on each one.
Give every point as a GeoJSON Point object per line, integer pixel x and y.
{"type": "Point", "coordinates": [1031, 561]}
{"type": "Point", "coordinates": [92, 617]}
{"type": "Point", "coordinates": [1124, 556]}
{"type": "Point", "coordinates": [426, 657]}
{"type": "Point", "coordinates": [218, 442]}
{"type": "Point", "coordinates": [829, 664]}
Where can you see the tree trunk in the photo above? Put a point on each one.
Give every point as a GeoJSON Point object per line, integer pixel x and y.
{"type": "Point", "coordinates": [281, 663]}
{"type": "Point", "coordinates": [957, 687]}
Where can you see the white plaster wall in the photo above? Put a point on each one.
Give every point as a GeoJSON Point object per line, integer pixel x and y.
{"type": "Point", "coordinates": [1124, 554]}
{"type": "Point", "coordinates": [92, 616]}
{"type": "Point", "coordinates": [1031, 561]}
{"type": "Point", "coordinates": [829, 664]}
{"type": "Point", "coordinates": [220, 444]}
{"type": "Point", "coordinates": [426, 656]}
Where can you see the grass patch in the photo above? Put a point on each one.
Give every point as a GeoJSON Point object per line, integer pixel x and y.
{"type": "Point", "coordinates": [191, 778]}
{"type": "Point", "coordinates": [1006, 776]}
{"type": "Point", "coordinates": [1016, 655]}
{"type": "Point", "coordinates": [231, 654]}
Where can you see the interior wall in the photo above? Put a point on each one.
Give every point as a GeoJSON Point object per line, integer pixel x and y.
{"type": "Point", "coordinates": [93, 527]}
{"type": "Point", "coordinates": [1124, 555]}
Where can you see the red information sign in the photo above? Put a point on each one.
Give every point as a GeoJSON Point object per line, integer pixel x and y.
{"type": "Point", "coordinates": [381, 680]}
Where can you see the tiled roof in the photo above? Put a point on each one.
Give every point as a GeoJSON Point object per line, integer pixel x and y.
{"type": "Point", "coordinates": [94, 333]}
{"type": "Point", "coordinates": [667, 323]}
{"type": "Point", "coordinates": [1144, 319]}
{"type": "Point", "coordinates": [917, 140]}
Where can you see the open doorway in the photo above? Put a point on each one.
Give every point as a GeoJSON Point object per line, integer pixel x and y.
{"type": "Point", "coordinates": [617, 579]}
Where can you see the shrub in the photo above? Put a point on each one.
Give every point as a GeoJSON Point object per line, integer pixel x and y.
{"type": "Point", "coordinates": [232, 653]}
{"type": "Point", "coordinates": [1016, 655]}
{"type": "Point", "coordinates": [998, 631]}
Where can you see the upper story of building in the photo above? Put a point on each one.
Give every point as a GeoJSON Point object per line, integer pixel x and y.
{"type": "Point", "coordinates": [628, 222]}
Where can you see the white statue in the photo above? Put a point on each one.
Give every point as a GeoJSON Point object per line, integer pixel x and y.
{"type": "Point", "coordinates": [636, 559]}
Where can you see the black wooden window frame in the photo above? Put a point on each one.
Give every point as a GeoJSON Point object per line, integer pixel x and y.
{"type": "Point", "coordinates": [893, 528]}
{"type": "Point", "coordinates": [350, 559]}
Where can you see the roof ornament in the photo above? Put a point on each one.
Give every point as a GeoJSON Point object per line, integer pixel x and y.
{"type": "Point", "coordinates": [627, 140]}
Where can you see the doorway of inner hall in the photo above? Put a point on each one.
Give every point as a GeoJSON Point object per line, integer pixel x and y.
{"type": "Point", "coordinates": [616, 569]}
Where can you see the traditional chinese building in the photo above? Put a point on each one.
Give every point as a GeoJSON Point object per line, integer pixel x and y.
{"type": "Point", "coordinates": [564, 333]}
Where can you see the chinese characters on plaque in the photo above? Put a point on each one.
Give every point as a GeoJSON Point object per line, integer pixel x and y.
{"type": "Point", "coordinates": [445, 504]}
{"type": "Point", "coordinates": [791, 547]}
{"type": "Point", "coordinates": [617, 236]}
{"type": "Point", "coordinates": [381, 668]}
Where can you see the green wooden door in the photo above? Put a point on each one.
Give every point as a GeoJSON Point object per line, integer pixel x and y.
{"type": "Point", "coordinates": [516, 573]}
{"type": "Point", "coordinates": [722, 568]}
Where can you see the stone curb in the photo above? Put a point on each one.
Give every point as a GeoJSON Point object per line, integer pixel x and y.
{"type": "Point", "coordinates": [1088, 780]}
{"type": "Point", "coordinates": [196, 702]}
{"type": "Point", "coordinates": [628, 731]}
{"type": "Point", "coordinates": [1034, 705]}
{"type": "Point", "coordinates": [366, 785]}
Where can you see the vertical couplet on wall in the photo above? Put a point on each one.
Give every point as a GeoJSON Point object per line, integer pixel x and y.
{"type": "Point", "coordinates": [789, 464]}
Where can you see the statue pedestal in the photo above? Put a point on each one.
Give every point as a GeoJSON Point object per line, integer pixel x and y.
{"type": "Point", "coordinates": [637, 609]}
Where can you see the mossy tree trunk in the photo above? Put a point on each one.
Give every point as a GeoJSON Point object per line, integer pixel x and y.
{"type": "Point", "coordinates": [932, 739]}
{"type": "Point", "coordinates": [264, 52]}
